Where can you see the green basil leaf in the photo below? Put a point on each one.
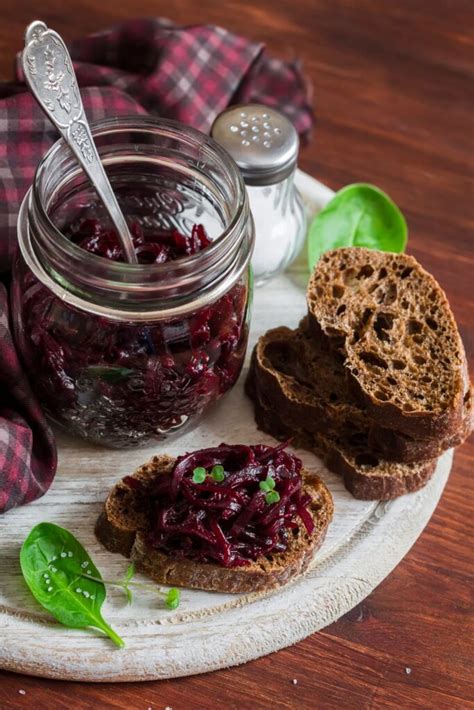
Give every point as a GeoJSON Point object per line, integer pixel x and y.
{"type": "Point", "coordinates": [359, 215]}
{"type": "Point", "coordinates": [53, 563]}
{"type": "Point", "coordinates": [108, 374]}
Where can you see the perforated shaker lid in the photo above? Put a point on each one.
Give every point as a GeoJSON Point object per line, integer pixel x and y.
{"type": "Point", "coordinates": [262, 141]}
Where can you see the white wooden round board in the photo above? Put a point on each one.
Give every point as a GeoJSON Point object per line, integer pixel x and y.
{"type": "Point", "coordinates": [365, 541]}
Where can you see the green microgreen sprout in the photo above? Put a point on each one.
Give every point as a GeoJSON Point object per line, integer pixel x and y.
{"type": "Point", "coordinates": [268, 484]}
{"type": "Point", "coordinates": [217, 473]}
{"type": "Point", "coordinates": [199, 474]}
{"type": "Point", "coordinates": [171, 596]}
{"type": "Point", "coordinates": [272, 497]}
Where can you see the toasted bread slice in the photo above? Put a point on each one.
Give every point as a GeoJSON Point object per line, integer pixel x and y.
{"type": "Point", "coordinates": [124, 521]}
{"type": "Point", "coordinates": [393, 324]}
{"type": "Point", "coordinates": [306, 383]}
{"type": "Point", "coordinates": [366, 476]}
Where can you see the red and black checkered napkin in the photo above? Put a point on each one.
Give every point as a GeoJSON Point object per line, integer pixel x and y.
{"type": "Point", "coordinates": [143, 66]}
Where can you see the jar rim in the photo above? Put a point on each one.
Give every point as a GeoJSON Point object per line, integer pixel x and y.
{"type": "Point", "coordinates": [137, 291]}
{"type": "Point", "coordinates": [147, 124]}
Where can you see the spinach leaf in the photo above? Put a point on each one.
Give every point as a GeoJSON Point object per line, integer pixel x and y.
{"type": "Point", "coordinates": [358, 215]}
{"type": "Point", "coordinates": [56, 569]}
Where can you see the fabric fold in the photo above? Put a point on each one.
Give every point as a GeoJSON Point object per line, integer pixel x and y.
{"type": "Point", "coordinates": [145, 66]}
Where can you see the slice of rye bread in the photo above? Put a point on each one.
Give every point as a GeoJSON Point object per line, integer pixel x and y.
{"type": "Point", "coordinates": [124, 521]}
{"type": "Point", "coordinates": [364, 475]}
{"type": "Point", "coordinates": [306, 383]}
{"type": "Point", "coordinates": [392, 321]}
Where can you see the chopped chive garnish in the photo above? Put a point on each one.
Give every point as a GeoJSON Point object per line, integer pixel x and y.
{"type": "Point", "coordinates": [172, 598]}
{"type": "Point", "coordinates": [217, 473]}
{"type": "Point", "coordinates": [272, 497]}
{"type": "Point", "coordinates": [199, 474]}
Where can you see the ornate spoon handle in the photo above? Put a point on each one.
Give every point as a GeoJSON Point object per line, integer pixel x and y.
{"type": "Point", "coordinates": [50, 75]}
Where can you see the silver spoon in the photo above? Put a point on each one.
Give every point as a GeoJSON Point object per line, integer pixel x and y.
{"type": "Point", "coordinates": [50, 75]}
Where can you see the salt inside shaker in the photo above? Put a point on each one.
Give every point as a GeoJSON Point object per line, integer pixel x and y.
{"type": "Point", "coordinates": [264, 144]}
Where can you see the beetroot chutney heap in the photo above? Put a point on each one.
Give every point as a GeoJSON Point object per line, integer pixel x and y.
{"type": "Point", "coordinates": [231, 504]}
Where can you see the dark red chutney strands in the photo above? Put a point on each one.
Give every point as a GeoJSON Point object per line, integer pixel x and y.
{"type": "Point", "coordinates": [157, 247]}
{"type": "Point", "coordinates": [229, 522]}
{"type": "Point", "coordinates": [120, 383]}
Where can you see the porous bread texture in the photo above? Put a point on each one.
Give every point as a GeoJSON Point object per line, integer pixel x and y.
{"type": "Point", "coordinates": [393, 324]}
{"type": "Point", "coordinates": [124, 521]}
{"type": "Point", "coordinates": [306, 384]}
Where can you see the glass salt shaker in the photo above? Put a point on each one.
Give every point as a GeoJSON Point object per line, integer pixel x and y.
{"type": "Point", "coordinates": [264, 144]}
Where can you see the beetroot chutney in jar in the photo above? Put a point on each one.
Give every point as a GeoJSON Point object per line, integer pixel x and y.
{"type": "Point", "coordinates": [123, 354]}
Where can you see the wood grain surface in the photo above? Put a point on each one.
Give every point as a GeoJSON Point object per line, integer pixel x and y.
{"type": "Point", "coordinates": [393, 90]}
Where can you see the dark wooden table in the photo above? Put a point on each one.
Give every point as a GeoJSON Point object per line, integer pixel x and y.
{"type": "Point", "coordinates": [393, 89]}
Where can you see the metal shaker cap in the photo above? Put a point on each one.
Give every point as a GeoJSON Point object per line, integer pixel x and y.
{"type": "Point", "coordinates": [262, 141]}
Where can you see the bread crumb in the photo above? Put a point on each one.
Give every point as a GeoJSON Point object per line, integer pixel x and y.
{"type": "Point", "coordinates": [408, 671]}
{"type": "Point", "coordinates": [22, 692]}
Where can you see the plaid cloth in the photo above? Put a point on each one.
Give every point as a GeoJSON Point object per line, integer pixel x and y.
{"type": "Point", "coordinates": [27, 450]}
{"type": "Point", "coordinates": [142, 66]}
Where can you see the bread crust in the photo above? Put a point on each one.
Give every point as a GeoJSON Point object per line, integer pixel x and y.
{"type": "Point", "coordinates": [122, 527]}
{"type": "Point", "coordinates": [383, 481]}
{"type": "Point", "coordinates": [307, 406]}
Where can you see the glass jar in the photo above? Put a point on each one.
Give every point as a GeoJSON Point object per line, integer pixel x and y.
{"type": "Point", "coordinates": [122, 354]}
